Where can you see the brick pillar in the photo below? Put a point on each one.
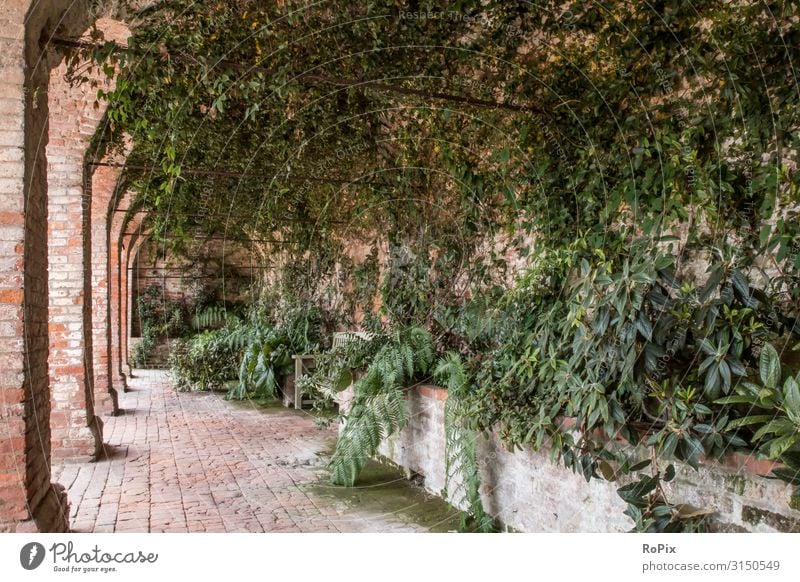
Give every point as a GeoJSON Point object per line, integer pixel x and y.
{"type": "Point", "coordinates": [76, 430]}
{"type": "Point", "coordinates": [132, 239]}
{"type": "Point", "coordinates": [28, 500]}
{"type": "Point", "coordinates": [125, 246]}
{"type": "Point", "coordinates": [104, 181]}
{"type": "Point", "coordinates": [117, 329]}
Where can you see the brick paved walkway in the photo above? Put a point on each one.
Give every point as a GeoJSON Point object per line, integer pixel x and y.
{"type": "Point", "coordinates": [192, 462]}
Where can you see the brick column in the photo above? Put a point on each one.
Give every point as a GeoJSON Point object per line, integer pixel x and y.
{"type": "Point", "coordinates": [115, 300]}
{"type": "Point", "coordinates": [76, 430]}
{"type": "Point", "coordinates": [131, 243]}
{"type": "Point", "coordinates": [104, 181]}
{"type": "Point", "coordinates": [28, 500]}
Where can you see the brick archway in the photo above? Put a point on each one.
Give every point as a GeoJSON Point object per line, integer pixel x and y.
{"type": "Point", "coordinates": [106, 385]}
{"type": "Point", "coordinates": [133, 236]}
{"type": "Point", "coordinates": [31, 187]}
{"type": "Point", "coordinates": [76, 243]}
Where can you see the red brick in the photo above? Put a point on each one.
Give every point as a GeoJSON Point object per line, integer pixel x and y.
{"type": "Point", "coordinates": [7, 218]}
{"type": "Point", "coordinates": [11, 296]}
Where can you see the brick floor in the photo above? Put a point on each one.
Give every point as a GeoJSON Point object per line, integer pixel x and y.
{"type": "Point", "coordinates": [192, 462]}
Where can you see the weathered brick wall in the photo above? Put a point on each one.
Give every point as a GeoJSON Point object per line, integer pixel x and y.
{"type": "Point", "coordinates": [131, 242]}
{"type": "Point", "coordinates": [104, 182]}
{"type": "Point", "coordinates": [528, 492]}
{"type": "Point", "coordinates": [227, 268]}
{"type": "Point", "coordinates": [19, 223]}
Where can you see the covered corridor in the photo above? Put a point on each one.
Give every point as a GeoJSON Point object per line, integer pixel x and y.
{"type": "Point", "coordinates": [193, 462]}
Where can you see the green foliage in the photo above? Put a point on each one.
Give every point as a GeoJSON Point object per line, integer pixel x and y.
{"type": "Point", "coordinates": [462, 475]}
{"type": "Point", "coordinates": [489, 133]}
{"type": "Point", "coordinates": [211, 317]}
{"type": "Point", "coordinates": [143, 348]}
{"type": "Point", "coordinates": [648, 506]}
{"type": "Point", "coordinates": [373, 418]}
{"type": "Point", "coordinates": [158, 318]}
{"type": "Point", "coordinates": [542, 149]}
{"type": "Point", "coordinates": [379, 408]}
{"type": "Point", "coordinates": [267, 356]}
{"type": "Point", "coordinates": [770, 414]}
{"type": "Point", "coordinates": [334, 369]}
{"type": "Point", "coordinates": [626, 347]}
{"type": "Point", "coordinates": [267, 345]}
{"type": "Point", "coordinates": [206, 361]}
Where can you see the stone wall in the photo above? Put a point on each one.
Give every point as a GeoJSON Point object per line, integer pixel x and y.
{"type": "Point", "coordinates": [528, 492]}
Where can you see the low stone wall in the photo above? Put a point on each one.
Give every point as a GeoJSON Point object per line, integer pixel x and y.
{"type": "Point", "coordinates": [527, 491]}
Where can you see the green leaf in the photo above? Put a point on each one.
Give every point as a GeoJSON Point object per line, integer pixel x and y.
{"type": "Point", "coordinates": [776, 426]}
{"type": "Point", "coordinates": [782, 444]}
{"type": "Point", "coordinates": [742, 287]}
{"type": "Point", "coordinates": [787, 474]}
{"type": "Point", "coordinates": [763, 235]}
{"type": "Point", "coordinates": [738, 399]}
{"type": "Point", "coordinates": [736, 366]}
{"type": "Point", "coordinates": [725, 374]}
{"type": "Point", "coordinates": [711, 285]}
{"type": "Point", "coordinates": [644, 326]}
{"type": "Point", "coordinates": [748, 420]}
{"type": "Point", "coordinates": [769, 366]}
{"type": "Point", "coordinates": [791, 398]}
{"type": "Point", "coordinates": [670, 444]}
{"type": "Point", "coordinates": [707, 347]}
{"type": "Point", "coordinates": [706, 364]}
{"type": "Point", "coordinates": [344, 380]}
{"type": "Point", "coordinates": [711, 387]}
{"type": "Point", "coordinates": [606, 470]}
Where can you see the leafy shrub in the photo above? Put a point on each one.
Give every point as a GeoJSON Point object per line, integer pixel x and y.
{"type": "Point", "coordinates": [266, 356]}
{"type": "Point", "coordinates": [143, 348]}
{"type": "Point", "coordinates": [158, 318]}
{"type": "Point", "coordinates": [206, 361]}
{"type": "Point", "coordinates": [462, 475]}
{"type": "Point", "coordinates": [212, 316]}
{"type": "Point", "coordinates": [626, 347]}
{"type": "Point", "coordinates": [769, 413]}
{"type": "Point", "coordinates": [648, 507]}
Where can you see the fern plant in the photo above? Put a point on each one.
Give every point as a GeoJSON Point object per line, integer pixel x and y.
{"type": "Point", "coordinates": [462, 476]}
{"type": "Point", "coordinates": [211, 317]}
{"type": "Point", "coordinates": [373, 419]}
{"type": "Point", "coordinates": [379, 407]}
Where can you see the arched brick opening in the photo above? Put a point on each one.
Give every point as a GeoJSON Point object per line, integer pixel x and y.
{"type": "Point", "coordinates": [29, 502]}
{"type": "Point", "coordinates": [104, 182]}
{"type": "Point", "coordinates": [76, 248]}
{"type": "Point", "coordinates": [105, 179]}
{"type": "Point", "coordinates": [118, 355]}
{"type": "Point", "coordinates": [134, 235]}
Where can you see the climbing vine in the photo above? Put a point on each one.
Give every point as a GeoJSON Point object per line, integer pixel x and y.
{"type": "Point", "coordinates": [595, 206]}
